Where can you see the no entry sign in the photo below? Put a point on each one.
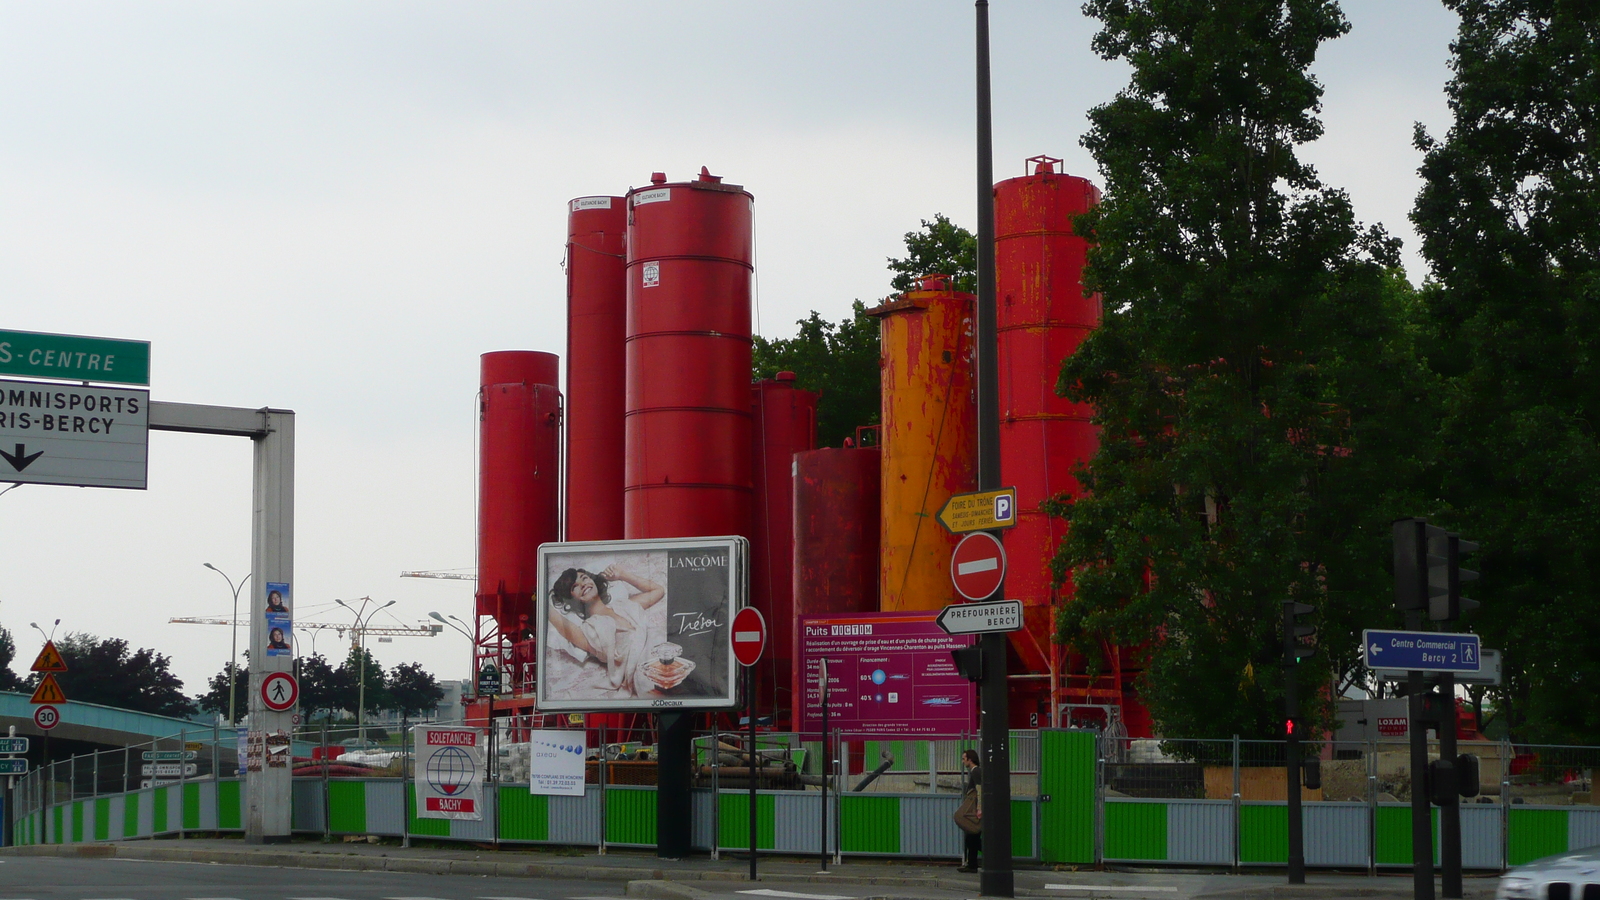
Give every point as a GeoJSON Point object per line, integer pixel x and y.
{"type": "Point", "coordinates": [749, 635]}
{"type": "Point", "coordinates": [978, 566]}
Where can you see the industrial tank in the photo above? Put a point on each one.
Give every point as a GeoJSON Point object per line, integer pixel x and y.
{"type": "Point", "coordinates": [929, 439]}
{"type": "Point", "coordinates": [597, 314]}
{"type": "Point", "coordinates": [785, 423]}
{"type": "Point", "coordinates": [519, 480]}
{"type": "Point", "coordinates": [688, 438]}
{"type": "Point", "coordinates": [1043, 316]}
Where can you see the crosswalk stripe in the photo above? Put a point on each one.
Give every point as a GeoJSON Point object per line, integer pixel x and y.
{"type": "Point", "coordinates": [792, 895]}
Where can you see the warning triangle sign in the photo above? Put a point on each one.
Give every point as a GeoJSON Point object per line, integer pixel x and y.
{"type": "Point", "coordinates": [49, 659]}
{"type": "Point", "coordinates": [48, 691]}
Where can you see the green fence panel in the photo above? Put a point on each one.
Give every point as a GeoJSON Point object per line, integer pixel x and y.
{"type": "Point", "coordinates": [77, 821]}
{"type": "Point", "coordinates": [1022, 829]}
{"type": "Point", "coordinates": [1066, 777]}
{"type": "Point", "coordinates": [347, 807]}
{"type": "Point", "coordinates": [1535, 833]}
{"type": "Point", "coordinates": [158, 810]}
{"type": "Point", "coordinates": [102, 819]}
{"type": "Point", "coordinates": [228, 813]}
{"type": "Point", "coordinates": [130, 814]}
{"type": "Point", "coordinates": [869, 824]}
{"type": "Point", "coordinates": [1264, 834]}
{"type": "Point", "coordinates": [524, 816]}
{"type": "Point", "coordinates": [1393, 840]}
{"type": "Point", "coordinates": [1136, 831]}
{"type": "Point", "coordinates": [191, 806]}
{"type": "Point", "coordinates": [420, 826]}
{"type": "Point", "coordinates": [630, 816]}
{"type": "Point", "coordinates": [733, 821]}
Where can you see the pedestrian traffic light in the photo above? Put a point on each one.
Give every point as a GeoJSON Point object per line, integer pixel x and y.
{"type": "Point", "coordinates": [1445, 603]}
{"type": "Point", "coordinates": [1416, 568]}
{"type": "Point", "coordinates": [1442, 782]}
{"type": "Point", "coordinates": [1299, 641]}
{"type": "Point", "coordinates": [1467, 775]}
{"type": "Point", "coordinates": [969, 662]}
{"type": "Point", "coordinates": [1313, 773]}
{"type": "Point", "coordinates": [1436, 711]}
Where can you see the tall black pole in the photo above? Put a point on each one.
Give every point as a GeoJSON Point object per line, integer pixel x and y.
{"type": "Point", "coordinates": [1421, 812]}
{"type": "Point", "coordinates": [1291, 762]}
{"type": "Point", "coordinates": [997, 879]}
{"type": "Point", "coordinates": [1450, 808]}
{"type": "Point", "coordinates": [824, 768]}
{"type": "Point", "coordinates": [750, 694]}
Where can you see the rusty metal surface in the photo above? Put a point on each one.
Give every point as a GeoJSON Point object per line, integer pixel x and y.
{"type": "Point", "coordinates": [785, 423]}
{"type": "Point", "coordinates": [597, 312]}
{"type": "Point", "coordinates": [929, 441]}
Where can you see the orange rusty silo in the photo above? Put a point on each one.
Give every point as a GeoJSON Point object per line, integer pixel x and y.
{"type": "Point", "coordinates": [929, 438]}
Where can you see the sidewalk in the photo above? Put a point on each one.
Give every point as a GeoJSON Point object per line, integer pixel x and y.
{"type": "Point", "coordinates": [700, 877]}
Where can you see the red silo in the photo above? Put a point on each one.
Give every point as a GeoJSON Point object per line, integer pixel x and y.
{"type": "Point", "coordinates": [597, 318]}
{"type": "Point", "coordinates": [785, 423]}
{"type": "Point", "coordinates": [687, 470]}
{"type": "Point", "coordinates": [519, 480]}
{"type": "Point", "coordinates": [836, 533]}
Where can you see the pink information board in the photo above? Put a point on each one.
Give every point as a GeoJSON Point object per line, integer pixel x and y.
{"type": "Point", "coordinates": [889, 675]}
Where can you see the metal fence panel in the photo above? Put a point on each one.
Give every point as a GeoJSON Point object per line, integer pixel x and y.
{"type": "Point", "coordinates": [576, 820]}
{"type": "Point", "coordinates": [1336, 834]}
{"type": "Point", "coordinates": [386, 806]}
{"type": "Point", "coordinates": [1480, 836]}
{"type": "Point", "coordinates": [480, 830]}
{"type": "Point", "coordinates": [1583, 828]}
{"type": "Point", "coordinates": [798, 822]}
{"type": "Point", "coordinates": [1200, 831]}
{"type": "Point", "coordinates": [926, 826]}
{"type": "Point", "coordinates": [305, 805]}
{"type": "Point", "coordinates": [702, 815]}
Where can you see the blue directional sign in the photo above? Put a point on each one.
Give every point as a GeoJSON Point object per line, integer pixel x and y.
{"type": "Point", "coordinates": [1421, 651]}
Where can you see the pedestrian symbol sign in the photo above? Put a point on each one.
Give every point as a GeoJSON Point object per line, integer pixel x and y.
{"type": "Point", "coordinates": [48, 691]}
{"type": "Point", "coordinates": [49, 659]}
{"type": "Point", "coordinates": [279, 690]}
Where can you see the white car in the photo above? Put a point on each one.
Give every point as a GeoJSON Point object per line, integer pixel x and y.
{"type": "Point", "coordinates": [1567, 876]}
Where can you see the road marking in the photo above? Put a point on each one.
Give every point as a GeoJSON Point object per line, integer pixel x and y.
{"type": "Point", "coordinates": [768, 892]}
{"type": "Point", "coordinates": [1107, 887]}
{"type": "Point", "coordinates": [508, 898]}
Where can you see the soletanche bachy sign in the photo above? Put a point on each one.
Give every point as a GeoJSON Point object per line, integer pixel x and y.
{"type": "Point", "coordinates": [449, 776]}
{"type": "Point", "coordinates": [639, 625]}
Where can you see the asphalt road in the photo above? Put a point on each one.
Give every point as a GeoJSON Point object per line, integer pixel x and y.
{"type": "Point", "coordinates": [45, 878]}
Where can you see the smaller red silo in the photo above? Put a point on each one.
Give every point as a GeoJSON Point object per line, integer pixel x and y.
{"type": "Point", "coordinates": [597, 316]}
{"type": "Point", "coordinates": [785, 423]}
{"type": "Point", "coordinates": [519, 480]}
{"type": "Point", "coordinates": [836, 533]}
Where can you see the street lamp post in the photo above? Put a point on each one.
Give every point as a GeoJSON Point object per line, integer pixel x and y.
{"type": "Point", "coordinates": [361, 665]}
{"type": "Point", "coordinates": [472, 645]}
{"type": "Point", "coordinates": [233, 658]}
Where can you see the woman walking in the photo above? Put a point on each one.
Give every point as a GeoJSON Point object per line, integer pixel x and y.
{"type": "Point", "coordinates": [972, 840]}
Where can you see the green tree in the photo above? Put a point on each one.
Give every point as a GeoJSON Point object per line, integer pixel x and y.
{"type": "Point", "coordinates": [105, 671]}
{"type": "Point", "coordinates": [1509, 216]}
{"type": "Point", "coordinates": [839, 362]}
{"type": "Point", "coordinates": [1254, 378]}
{"type": "Point", "coordinates": [323, 689]}
{"type": "Point", "coordinates": [348, 678]}
{"type": "Point", "coordinates": [8, 653]}
{"type": "Point", "coordinates": [215, 699]}
{"type": "Point", "coordinates": [940, 248]}
{"type": "Point", "coordinates": [413, 690]}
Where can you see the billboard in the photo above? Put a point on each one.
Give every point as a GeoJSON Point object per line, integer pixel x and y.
{"type": "Point", "coordinates": [639, 625]}
{"type": "Point", "coordinates": [888, 674]}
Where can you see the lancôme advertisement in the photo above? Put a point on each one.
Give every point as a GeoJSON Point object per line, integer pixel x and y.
{"type": "Point", "coordinates": [449, 774]}
{"type": "Point", "coordinates": [639, 625]}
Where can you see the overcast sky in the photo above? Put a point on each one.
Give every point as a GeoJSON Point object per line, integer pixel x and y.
{"type": "Point", "coordinates": [336, 207]}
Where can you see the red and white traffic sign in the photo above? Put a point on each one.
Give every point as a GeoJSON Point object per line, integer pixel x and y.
{"type": "Point", "coordinates": [46, 717]}
{"type": "Point", "coordinates": [749, 635]}
{"type": "Point", "coordinates": [279, 690]}
{"type": "Point", "coordinates": [978, 566]}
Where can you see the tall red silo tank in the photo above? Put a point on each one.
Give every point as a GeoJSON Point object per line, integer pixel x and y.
{"type": "Point", "coordinates": [785, 423]}
{"type": "Point", "coordinates": [687, 470]}
{"type": "Point", "coordinates": [1042, 317]}
{"type": "Point", "coordinates": [928, 439]}
{"type": "Point", "coordinates": [597, 328]}
{"type": "Point", "coordinates": [519, 480]}
{"type": "Point", "coordinates": [837, 504]}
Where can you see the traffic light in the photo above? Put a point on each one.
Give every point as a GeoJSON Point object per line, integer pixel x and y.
{"type": "Point", "coordinates": [1313, 772]}
{"type": "Point", "coordinates": [1416, 568]}
{"type": "Point", "coordinates": [1299, 641]}
{"type": "Point", "coordinates": [1467, 775]}
{"type": "Point", "coordinates": [1441, 781]}
{"type": "Point", "coordinates": [969, 662]}
{"type": "Point", "coordinates": [1445, 603]}
{"type": "Point", "coordinates": [1436, 711]}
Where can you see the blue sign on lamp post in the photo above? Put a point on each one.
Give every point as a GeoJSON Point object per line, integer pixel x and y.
{"type": "Point", "coordinates": [1421, 651]}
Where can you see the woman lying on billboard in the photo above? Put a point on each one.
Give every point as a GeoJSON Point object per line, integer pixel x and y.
{"type": "Point", "coordinates": [612, 630]}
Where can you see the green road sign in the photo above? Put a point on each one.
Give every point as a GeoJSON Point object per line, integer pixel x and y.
{"type": "Point", "coordinates": [167, 754]}
{"type": "Point", "coordinates": [13, 745]}
{"type": "Point", "coordinates": [13, 766]}
{"type": "Point", "coordinates": [74, 358]}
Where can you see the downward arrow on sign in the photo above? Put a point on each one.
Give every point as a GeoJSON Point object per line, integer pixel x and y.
{"type": "Point", "coordinates": [21, 459]}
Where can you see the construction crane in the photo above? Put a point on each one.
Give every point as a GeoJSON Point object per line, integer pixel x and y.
{"type": "Point", "coordinates": [425, 630]}
{"type": "Point", "coordinates": [434, 573]}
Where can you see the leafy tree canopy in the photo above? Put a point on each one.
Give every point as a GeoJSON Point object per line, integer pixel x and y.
{"type": "Point", "coordinates": [839, 362]}
{"type": "Point", "coordinates": [8, 654]}
{"type": "Point", "coordinates": [1509, 216]}
{"type": "Point", "coordinates": [1253, 378]}
{"type": "Point", "coordinates": [105, 671]}
{"type": "Point", "coordinates": [413, 690]}
{"type": "Point", "coordinates": [215, 699]}
{"type": "Point", "coordinates": [940, 248]}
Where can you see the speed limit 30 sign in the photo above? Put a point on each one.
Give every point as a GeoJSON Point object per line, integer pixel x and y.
{"type": "Point", "coordinates": [46, 716]}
